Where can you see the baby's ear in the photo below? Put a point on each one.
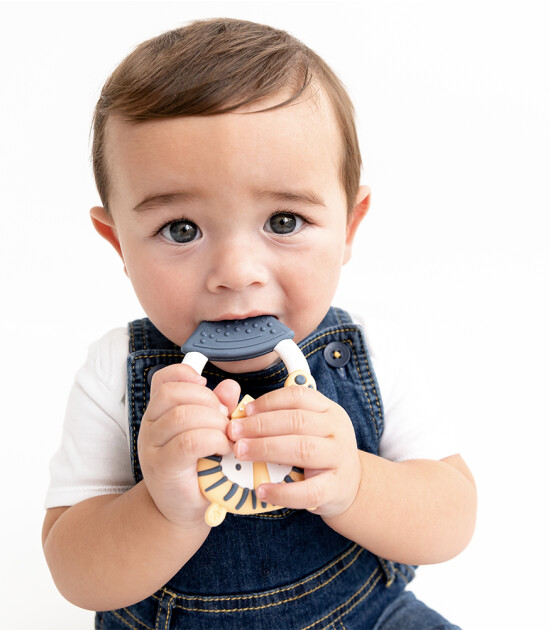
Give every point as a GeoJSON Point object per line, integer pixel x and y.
{"type": "Point", "coordinates": [362, 204]}
{"type": "Point", "coordinates": [105, 227]}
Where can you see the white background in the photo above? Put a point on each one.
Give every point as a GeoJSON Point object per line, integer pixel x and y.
{"type": "Point", "coordinates": [453, 106]}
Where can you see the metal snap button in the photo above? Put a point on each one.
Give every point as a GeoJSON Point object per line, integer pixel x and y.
{"type": "Point", "coordinates": [150, 373]}
{"type": "Point", "coordinates": [337, 354]}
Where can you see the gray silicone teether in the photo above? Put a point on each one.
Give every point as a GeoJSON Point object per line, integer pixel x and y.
{"type": "Point", "coordinates": [237, 339]}
{"type": "Point", "coordinates": [240, 339]}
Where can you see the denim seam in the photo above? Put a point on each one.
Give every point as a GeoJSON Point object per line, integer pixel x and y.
{"type": "Point", "coordinates": [345, 612]}
{"type": "Point", "coordinates": [389, 570]}
{"type": "Point", "coordinates": [352, 348]}
{"type": "Point", "coordinates": [132, 337]}
{"type": "Point", "coordinates": [135, 465]}
{"type": "Point", "coordinates": [127, 623]}
{"type": "Point", "coordinates": [144, 333]}
{"type": "Point", "coordinates": [342, 556]}
{"type": "Point", "coordinates": [267, 515]}
{"type": "Point", "coordinates": [141, 623]}
{"type": "Point", "coordinates": [407, 578]}
{"type": "Point", "coordinates": [270, 593]}
{"type": "Point", "coordinates": [168, 613]}
{"type": "Point", "coordinates": [366, 363]}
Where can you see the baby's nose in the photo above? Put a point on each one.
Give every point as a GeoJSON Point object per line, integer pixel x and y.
{"type": "Point", "coordinates": [236, 268]}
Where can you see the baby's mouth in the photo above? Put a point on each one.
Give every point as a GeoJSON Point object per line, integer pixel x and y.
{"type": "Point", "coordinates": [230, 317]}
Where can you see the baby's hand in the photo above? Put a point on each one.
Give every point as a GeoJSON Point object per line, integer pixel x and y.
{"type": "Point", "coordinates": [183, 422]}
{"type": "Point", "coordinates": [300, 427]}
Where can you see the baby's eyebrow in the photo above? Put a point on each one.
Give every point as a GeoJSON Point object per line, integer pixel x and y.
{"type": "Point", "coordinates": [154, 201]}
{"type": "Point", "coordinates": [167, 199]}
{"type": "Point", "coordinates": [301, 196]}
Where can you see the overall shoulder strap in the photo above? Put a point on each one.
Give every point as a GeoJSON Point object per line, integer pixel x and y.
{"type": "Point", "coordinates": [148, 350]}
{"type": "Point", "coordinates": [144, 336]}
{"type": "Point", "coordinates": [335, 317]}
{"type": "Point", "coordinates": [338, 356]}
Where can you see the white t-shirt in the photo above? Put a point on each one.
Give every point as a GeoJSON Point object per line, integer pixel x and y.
{"type": "Point", "coordinates": [94, 455]}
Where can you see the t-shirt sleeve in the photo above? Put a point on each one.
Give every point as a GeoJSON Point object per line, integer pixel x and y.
{"type": "Point", "coordinates": [415, 427]}
{"type": "Point", "coordinates": [93, 457]}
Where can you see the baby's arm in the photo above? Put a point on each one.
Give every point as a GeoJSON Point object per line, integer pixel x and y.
{"type": "Point", "coordinates": [416, 512]}
{"type": "Point", "coordinates": [114, 550]}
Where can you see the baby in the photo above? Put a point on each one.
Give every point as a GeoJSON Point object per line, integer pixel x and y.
{"type": "Point", "coordinates": [227, 162]}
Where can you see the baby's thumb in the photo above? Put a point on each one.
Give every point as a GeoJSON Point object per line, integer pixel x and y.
{"type": "Point", "coordinates": [228, 393]}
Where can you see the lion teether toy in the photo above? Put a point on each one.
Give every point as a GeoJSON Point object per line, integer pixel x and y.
{"type": "Point", "coordinates": [229, 484]}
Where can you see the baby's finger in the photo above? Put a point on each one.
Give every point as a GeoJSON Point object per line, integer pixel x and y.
{"type": "Point", "coordinates": [178, 372]}
{"type": "Point", "coordinates": [289, 398]}
{"type": "Point", "coordinates": [293, 450]}
{"type": "Point", "coordinates": [181, 419]}
{"type": "Point", "coordinates": [185, 449]}
{"type": "Point", "coordinates": [171, 394]}
{"type": "Point", "coordinates": [291, 422]}
{"type": "Point", "coordinates": [308, 494]}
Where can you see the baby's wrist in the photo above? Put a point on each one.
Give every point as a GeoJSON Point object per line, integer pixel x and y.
{"type": "Point", "coordinates": [340, 511]}
{"type": "Point", "coordinates": [177, 517]}
{"type": "Point", "coordinates": [344, 508]}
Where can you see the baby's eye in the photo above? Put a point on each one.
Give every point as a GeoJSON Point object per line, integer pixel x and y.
{"type": "Point", "coordinates": [181, 231]}
{"type": "Point", "coordinates": [283, 223]}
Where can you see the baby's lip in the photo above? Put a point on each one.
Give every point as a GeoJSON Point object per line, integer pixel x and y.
{"type": "Point", "coordinates": [237, 316]}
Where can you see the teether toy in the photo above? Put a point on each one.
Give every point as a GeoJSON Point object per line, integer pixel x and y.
{"type": "Point", "coordinates": [229, 484]}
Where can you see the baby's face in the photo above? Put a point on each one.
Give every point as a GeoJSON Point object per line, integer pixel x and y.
{"type": "Point", "coordinates": [230, 216]}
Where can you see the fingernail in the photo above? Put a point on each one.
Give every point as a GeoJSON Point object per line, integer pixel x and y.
{"type": "Point", "coordinates": [250, 408]}
{"type": "Point", "coordinates": [242, 448]}
{"type": "Point", "coordinates": [224, 410]}
{"type": "Point", "coordinates": [236, 428]}
{"type": "Point", "coordinates": [261, 493]}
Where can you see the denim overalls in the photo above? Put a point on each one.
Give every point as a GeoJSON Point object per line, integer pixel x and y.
{"type": "Point", "coordinates": [285, 569]}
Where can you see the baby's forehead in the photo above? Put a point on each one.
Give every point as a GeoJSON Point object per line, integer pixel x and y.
{"type": "Point", "coordinates": [312, 110]}
{"type": "Point", "coordinates": [252, 153]}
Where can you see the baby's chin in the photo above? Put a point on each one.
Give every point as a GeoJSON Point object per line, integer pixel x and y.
{"type": "Point", "coordinates": [257, 364]}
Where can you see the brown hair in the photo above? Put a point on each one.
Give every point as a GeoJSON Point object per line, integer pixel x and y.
{"type": "Point", "coordinates": [215, 66]}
